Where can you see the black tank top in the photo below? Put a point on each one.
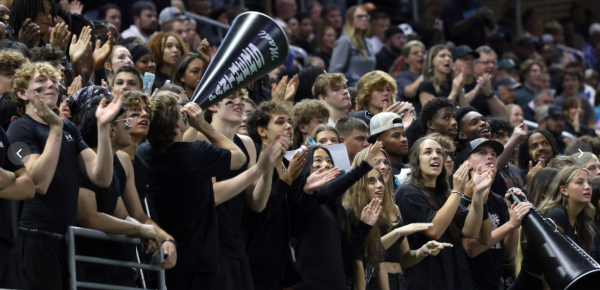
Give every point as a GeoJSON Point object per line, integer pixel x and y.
{"type": "Point", "coordinates": [229, 214]}
{"type": "Point", "coordinates": [392, 254]}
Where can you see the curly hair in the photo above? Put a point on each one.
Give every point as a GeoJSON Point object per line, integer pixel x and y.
{"type": "Point", "coordinates": [134, 98]}
{"type": "Point", "coordinates": [156, 44]}
{"type": "Point", "coordinates": [165, 115]}
{"type": "Point", "coordinates": [370, 82]}
{"type": "Point", "coordinates": [262, 116]}
{"type": "Point", "coordinates": [443, 140]}
{"type": "Point", "coordinates": [498, 124]}
{"type": "Point", "coordinates": [524, 156]}
{"type": "Point", "coordinates": [11, 60]}
{"type": "Point", "coordinates": [88, 124]}
{"type": "Point", "coordinates": [305, 111]}
{"type": "Point", "coordinates": [427, 112]}
{"type": "Point", "coordinates": [24, 75]}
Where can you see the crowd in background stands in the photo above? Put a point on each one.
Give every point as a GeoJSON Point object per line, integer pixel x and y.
{"type": "Point", "coordinates": [439, 119]}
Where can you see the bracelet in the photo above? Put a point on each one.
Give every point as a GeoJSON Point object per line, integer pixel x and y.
{"type": "Point", "coordinates": [170, 240]}
{"type": "Point", "coordinates": [490, 96]}
{"type": "Point", "coordinates": [459, 193]}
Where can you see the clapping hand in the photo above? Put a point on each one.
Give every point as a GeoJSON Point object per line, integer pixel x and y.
{"type": "Point", "coordinates": [59, 36]}
{"type": "Point", "coordinates": [461, 177]}
{"type": "Point", "coordinates": [44, 112]}
{"type": "Point", "coordinates": [482, 180]}
{"type": "Point", "coordinates": [106, 113]}
{"type": "Point", "coordinates": [295, 167]}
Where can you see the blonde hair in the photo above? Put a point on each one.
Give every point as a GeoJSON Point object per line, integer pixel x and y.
{"type": "Point", "coordinates": [324, 128]}
{"type": "Point", "coordinates": [24, 75]}
{"type": "Point", "coordinates": [509, 108]}
{"type": "Point", "coordinates": [325, 81]}
{"type": "Point", "coordinates": [370, 82]}
{"type": "Point", "coordinates": [357, 39]}
{"type": "Point", "coordinates": [133, 98]}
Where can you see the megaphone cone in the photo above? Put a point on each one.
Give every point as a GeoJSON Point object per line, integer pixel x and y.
{"type": "Point", "coordinates": [254, 46]}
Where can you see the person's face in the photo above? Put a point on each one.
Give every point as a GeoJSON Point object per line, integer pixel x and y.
{"type": "Point", "coordinates": [141, 119]}
{"type": "Point", "coordinates": [516, 116]}
{"type": "Point", "coordinates": [190, 30]}
{"type": "Point", "coordinates": [119, 131]}
{"type": "Point", "coordinates": [317, 62]}
{"type": "Point", "coordinates": [593, 166]}
{"type": "Point", "coordinates": [442, 62]}
{"type": "Point", "coordinates": [306, 27]}
{"type": "Point", "coordinates": [172, 51]}
{"type": "Point", "coordinates": [474, 126]}
{"type": "Point", "coordinates": [465, 64]}
{"type": "Point", "coordinates": [334, 18]}
{"type": "Point", "coordinates": [102, 34]}
{"type": "Point", "coordinates": [146, 64]}
{"type": "Point", "coordinates": [230, 109]}
{"type": "Point", "coordinates": [201, 7]}
{"type": "Point", "coordinates": [44, 19]}
{"type": "Point", "coordinates": [191, 78]}
{"type": "Point", "coordinates": [326, 138]}
{"type": "Point", "coordinates": [449, 164]}
{"type": "Point", "coordinates": [307, 129]}
{"type": "Point", "coordinates": [383, 164]}
{"type": "Point", "coordinates": [545, 99]}
{"type": "Point", "coordinates": [148, 22]}
{"type": "Point", "coordinates": [59, 67]}
{"type": "Point", "coordinates": [486, 64]}
{"type": "Point", "coordinates": [570, 85]}
{"type": "Point", "coordinates": [501, 136]}
{"type": "Point", "coordinates": [394, 141]}
{"type": "Point", "coordinates": [179, 28]}
{"type": "Point", "coordinates": [127, 82]}
{"type": "Point", "coordinates": [431, 158]}
{"type": "Point", "coordinates": [6, 78]}
{"type": "Point", "coordinates": [315, 14]}
{"type": "Point", "coordinates": [329, 38]}
{"type": "Point", "coordinates": [4, 13]}
{"type": "Point", "coordinates": [575, 112]}
{"type": "Point", "coordinates": [578, 189]}
{"type": "Point", "coordinates": [381, 97]}
{"type": "Point", "coordinates": [375, 185]}
{"type": "Point", "coordinates": [416, 58]}
{"type": "Point", "coordinates": [356, 142]}
{"type": "Point", "coordinates": [507, 96]}
{"type": "Point", "coordinates": [279, 124]}
{"type": "Point", "coordinates": [46, 86]}
{"type": "Point", "coordinates": [321, 160]}
{"type": "Point", "coordinates": [592, 81]}
{"type": "Point", "coordinates": [338, 96]}
{"type": "Point", "coordinates": [361, 20]}
{"type": "Point", "coordinates": [539, 148]}
{"type": "Point", "coordinates": [397, 40]}
{"type": "Point", "coordinates": [243, 130]}
{"type": "Point", "coordinates": [444, 122]}
{"type": "Point", "coordinates": [533, 77]}
{"type": "Point", "coordinates": [380, 26]}
{"type": "Point", "coordinates": [114, 16]}
{"type": "Point", "coordinates": [286, 9]}
{"type": "Point", "coordinates": [294, 26]}
{"type": "Point", "coordinates": [121, 57]}
{"type": "Point", "coordinates": [554, 125]}
{"type": "Point", "coordinates": [484, 156]}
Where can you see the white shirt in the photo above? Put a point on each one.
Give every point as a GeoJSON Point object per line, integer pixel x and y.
{"type": "Point", "coordinates": [331, 122]}
{"type": "Point", "coordinates": [376, 44]}
{"type": "Point", "coordinates": [133, 31]}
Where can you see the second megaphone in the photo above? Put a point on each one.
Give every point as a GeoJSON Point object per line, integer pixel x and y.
{"type": "Point", "coordinates": [254, 45]}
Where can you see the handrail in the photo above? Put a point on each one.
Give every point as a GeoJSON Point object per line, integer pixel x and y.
{"type": "Point", "coordinates": [207, 20]}
{"type": "Point", "coordinates": [72, 258]}
{"type": "Point", "coordinates": [571, 50]}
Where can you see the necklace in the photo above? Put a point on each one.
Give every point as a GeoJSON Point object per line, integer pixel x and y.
{"type": "Point", "coordinates": [575, 227]}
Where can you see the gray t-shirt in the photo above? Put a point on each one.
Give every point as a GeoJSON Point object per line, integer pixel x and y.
{"type": "Point", "coordinates": [404, 79]}
{"type": "Point", "coordinates": [346, 58]}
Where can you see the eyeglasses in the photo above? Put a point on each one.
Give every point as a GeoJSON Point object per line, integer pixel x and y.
{"type": "Point", "coordinates": [127, 121]}
{"type": "Point", "coordinates": [363, 16]}
{"type": "Point", "coordinates": [488, 62]}
{"type": "Point", "coordinates": [451, 154]}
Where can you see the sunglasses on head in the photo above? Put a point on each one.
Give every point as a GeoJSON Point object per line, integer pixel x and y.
{"type": "Point", "coordinates": [451, 154]}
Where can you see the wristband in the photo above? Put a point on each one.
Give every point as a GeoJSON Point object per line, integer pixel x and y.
{"type": "Point", "coordinates": [170, 240]}
{"type": "Point", "coordinates": [486, 214]}
{"type": "Point", "coordinates": [490, 96]}
{"type": "Point", "coordinates": [459, 193]}
{"type": "Point", "coordinates": [465, 201]}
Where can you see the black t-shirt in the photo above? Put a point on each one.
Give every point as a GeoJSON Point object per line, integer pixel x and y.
{"type": "Point", "coordinates": [160, 80]}
{"type": "Point", "coordinates": [448, 269]}
{"type": "Point", "coordinates": [6, 229]}
{"type": "Point", "coordinates": [513, 177]}
{"type": "Point", "coordinates": [480, 102]}
{"type": "Point", "coordinates": [452, 12]}
{"type": "Point", "coordinates": [583, 130]}
{"type": "Point", "coordinates": [560, 217]}
{"type": "Point", "coordinates": [427, 87]}
{"type": "Point", "coordinates": [181, 198]}
{"type": "Point", "coordinates": [56, 209]}
{"type": "Point", "coordinates": [229, 214]}
{"type": "Point", "coordinates": [486, 268]}
{"type": "Point", "coordinates": [392, 254]}
{"type": "Point", "coordinates": [384, 59]}
{"type": "Point", "coordinates": [307, 46]}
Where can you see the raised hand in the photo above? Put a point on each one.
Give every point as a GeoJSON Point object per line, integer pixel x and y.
{"type": "Point", "coordinates": [461, 177]}
{"type": "Point", "coordinates": [204, 52]}
{"type": "Point", "coordinates": [408, 119]}
{"type": "Point", "coordinates": [458, 82]}
{"type": "Point", "coordinates": [75, 86]}
{"type": "Point", "coordinates": [79, 47]}
{"type": "Point", "coordinates": [373, 150]}
{"type": "Point", "coordinates": [278, 90]}
{"type": "Point", "coordinates": [117, 91]}
{"type": "Point", "coordinates": [76, 7]}
{"type": "Point", "coordinates": [106, 113]}
{"type": "Point", "coordinates": [295, 167]}
{"type": "Point", "coordinates": [170, 252]}
{"type": "Point", "coordinates": [370, 213]}
{"type": "Point", "coordinates": [534, 170]}
{"type": "Point", "coordinates": [576, 124]}
{"type": "Point", "coordinates": [319, 178]}
{"type": "Point", "coordinates": [65, 5]}
{"type": "Point", "coordinates": [520, 131]}
{"type": "Point", "coordinates": [195, 115]}
{"type": "Point", "coordinates": [104, 84]}
{"type": "Point", "coordinates": [271, 153]}
{"type": "Point", "coordinates": [102, 52]}
{"type": "Point", "coordinates": [59, 36]}
{"type": "Point", "coordinates": [482, 180]}
{"type": "Point", "coordinates": [30, 34]}
{"type": "Point", "coordinates": [484, 83]}
{"type": "Point", "coordinates": [47, 115]}
{"type": "Point", "coordinates": [292, 87]}
{"type": "Point", "coordinates": [433, 248]}
{"type": "Point", "coordinates": [412, 228]}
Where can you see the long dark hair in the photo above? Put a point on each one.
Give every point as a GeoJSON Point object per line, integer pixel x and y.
{"type": "Point", "coordinates": [595, 199]}
{"type": "Point", "coordinates": [540, 183]}
{"type": "Point", "coordinates": [524, 157]}
{"type": "Point", "coordinates": [442, 187]}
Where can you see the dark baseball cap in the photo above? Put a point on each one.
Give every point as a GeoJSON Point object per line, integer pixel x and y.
{"type": "Point", "coordinates": [549, 112]}
{"type": "Point", "coordinates": [506, 64]}
{"type": "Point", "coordinates": [364, 115]}
{"type": "Point", "coordinates": [462, 50]}
{"type": "Point", "coordinates": [508, 82]}
{"type": "Point", "coordinates": [473, 145]}
{"type": "Point", "coordinates": [393, 30]}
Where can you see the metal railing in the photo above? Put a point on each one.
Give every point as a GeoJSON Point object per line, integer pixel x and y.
{"type": "Point", "coordinates": [72, 258]}
{"type": "Point", "coordinates": [206, 20]}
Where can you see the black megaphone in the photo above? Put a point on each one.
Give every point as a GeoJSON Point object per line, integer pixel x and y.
{"type": "Point", "coordinates": [254, 45]}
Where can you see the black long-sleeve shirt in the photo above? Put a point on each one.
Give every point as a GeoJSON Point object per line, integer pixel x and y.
{"type": "Point", "coordinates": [321, 256]}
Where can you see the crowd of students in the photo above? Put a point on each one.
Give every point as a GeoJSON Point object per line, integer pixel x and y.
{"type": "Point", "coordinates": [252, 192]}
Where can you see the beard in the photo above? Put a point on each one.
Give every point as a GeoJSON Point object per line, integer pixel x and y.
{"type": "Point", "coordinates": [396, 50]}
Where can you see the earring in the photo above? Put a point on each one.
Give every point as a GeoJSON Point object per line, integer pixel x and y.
{"type": "Point", "coordinates": [432, 129]}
